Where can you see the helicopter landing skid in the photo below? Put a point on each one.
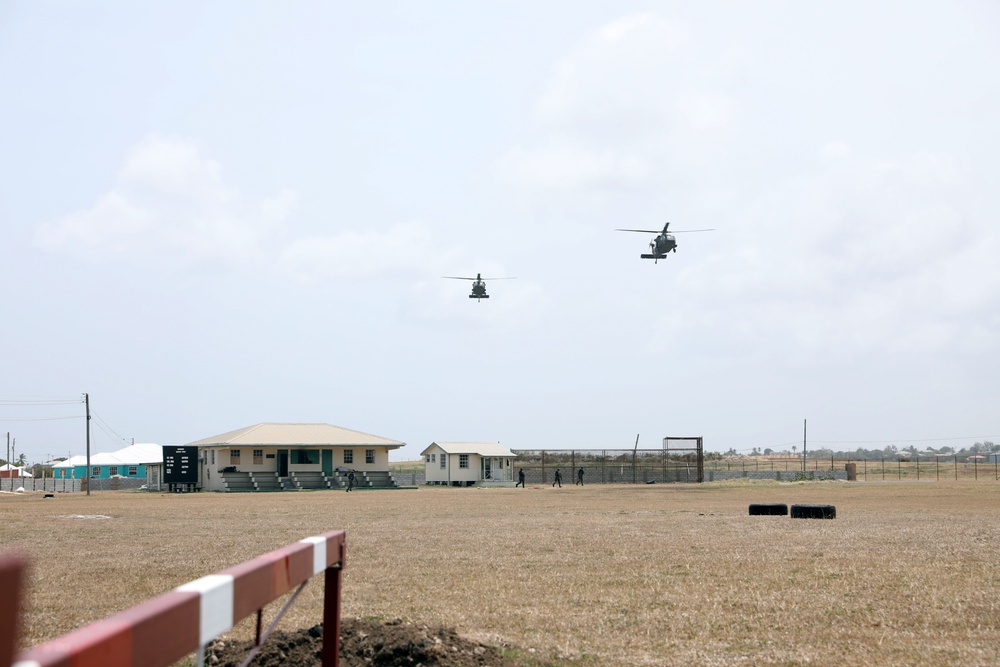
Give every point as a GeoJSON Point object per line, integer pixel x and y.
{"type": "Point", "coordinates": [648, 256]}
{"type": "Point", "coordinates": [478, 296]}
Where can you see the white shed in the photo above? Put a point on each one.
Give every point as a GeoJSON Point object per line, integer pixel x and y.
{"type": "Point", "coordinates": [468, 464]}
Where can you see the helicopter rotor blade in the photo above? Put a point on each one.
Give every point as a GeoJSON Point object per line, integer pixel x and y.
{"type": "Point", "coordinates": [653, 231]}
{"type": "Point", "coordinates": [458, 277]}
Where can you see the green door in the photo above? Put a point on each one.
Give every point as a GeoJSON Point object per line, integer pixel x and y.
{"type": "Point", "coordinates": [327, 456]}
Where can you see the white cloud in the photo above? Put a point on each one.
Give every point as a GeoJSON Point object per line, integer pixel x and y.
{"type": "Point", "coordinates": [567, 167]}
{"type": "Point", "coordinates": [858, 256]}
{"type": "Point", "coordinates": [405, 248]}
{"type": "Point", "coordinates": [627, 102]}
{"type": "Point", "coordinates": [170, 204]}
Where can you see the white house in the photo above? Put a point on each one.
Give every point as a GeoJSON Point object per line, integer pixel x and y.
{"type": "Point", "coordinates": [273, 456]}
{"type": "Point", "coordinates": [468, 463]}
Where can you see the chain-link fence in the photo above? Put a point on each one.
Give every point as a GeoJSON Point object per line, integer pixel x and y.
{"type": "Point", "coordinates": [679, 460]}
{"type": "Point", "coordinates": [925, 468]}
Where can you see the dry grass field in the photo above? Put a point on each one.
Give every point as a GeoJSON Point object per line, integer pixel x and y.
{"type": "Point", "coordinates": [647, 574]}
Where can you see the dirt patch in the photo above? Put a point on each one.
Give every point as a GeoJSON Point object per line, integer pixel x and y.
{"type": "Point", "coordinates": [365, 643]}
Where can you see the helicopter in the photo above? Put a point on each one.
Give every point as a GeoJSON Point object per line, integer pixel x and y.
{"type": "Point", "coordinates": [478, 285]}
{"type": "Point", "coordinates": [663, 243]}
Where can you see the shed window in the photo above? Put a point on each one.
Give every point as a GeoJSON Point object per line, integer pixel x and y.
{"type": "Point", "coordinates": [432, 458]}
{"type": "Point", "coordinates": [213, 457]}
{"type": "Point", "coordinates": [234, 457]}
{"type": "Point", "coordinates": [133, 470]}
{"type": "Point", "coordinates": [113, 470]}
{"type": "Point", "coordinates": [348, 456]}
{"type": "Point", "coordinates": [258, 457]}
{"type": "Point", "coordinates": [95, 471]}
{"type": "Point", "coordinates": [428, 458]}
{"type": "Point", "coordinates": [369, 456]}
{"type": "Point", "coordinates": [443, 460]}
{"type": "Point", "coordinates": [463, 460]}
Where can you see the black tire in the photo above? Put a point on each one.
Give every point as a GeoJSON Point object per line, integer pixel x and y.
{"type": "Point", "coordinates": [814, 512]}
{"type": "Point", "coordinates": [768, 509]}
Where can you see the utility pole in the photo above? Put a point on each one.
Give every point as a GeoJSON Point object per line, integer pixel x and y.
{"type": "Point", "coordinates": [803, 445]}
{"type": "Point", "coordinates": [86, 399]}
{"type": "Point", "coordinates": [10, 470]}
{"type": "Point", "coordinates": [636, 447]}
{"type": "Point", "coordinates": [8, 457]}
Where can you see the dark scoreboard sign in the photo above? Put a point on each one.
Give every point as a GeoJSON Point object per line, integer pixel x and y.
{"type": "Point", "coordinates": [180, 465]}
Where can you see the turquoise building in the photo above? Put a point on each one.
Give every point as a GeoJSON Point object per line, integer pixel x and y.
{"type": "Point", "coordinates": [140, 461]}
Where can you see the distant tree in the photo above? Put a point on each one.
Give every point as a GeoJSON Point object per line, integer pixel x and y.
{"type": "Point", "coordinates": [731, 452]}
{"type": "Point", "coordinates": [793, 449]}
{"type": "Point", "coordinates": [768, 451]}
{"type": "Point", "coordinates": [22, 460]}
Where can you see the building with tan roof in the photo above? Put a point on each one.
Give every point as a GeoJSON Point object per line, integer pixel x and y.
{"type": "Point", "coordinates": [468, 464]}
{"type": "Point", "coordinates": [276, 457]}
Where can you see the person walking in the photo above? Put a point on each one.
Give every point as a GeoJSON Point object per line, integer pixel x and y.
{"type": "Point", "coordinates": [579, 476]}
{"type": "Point", "coordinates": [520, 478]}
{"type": "Point", "coordinates": [558, 479]}
{"type": "Point", "coordinates": [350, 480]}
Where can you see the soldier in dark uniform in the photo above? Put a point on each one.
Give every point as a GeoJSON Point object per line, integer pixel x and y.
{"type": "Point", "coordinates": [579, 476]}
{"type": "Point", "coordinates": [558, 479]}
{"type": "Point", "coordinates": [350, 480]}
{"type": "Point", "coordinates": [520, 478]}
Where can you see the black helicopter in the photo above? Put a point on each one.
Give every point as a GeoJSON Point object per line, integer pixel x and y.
{"type": "Point", "coordinates": [478, 285]}
{"type": "Point", "coordinates": [664, 241]}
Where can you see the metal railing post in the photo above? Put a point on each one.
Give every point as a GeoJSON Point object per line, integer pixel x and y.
{"type": "Point", "coordinates": [331, 612]}
{"type": "Point", "coordinates": [12, 569]}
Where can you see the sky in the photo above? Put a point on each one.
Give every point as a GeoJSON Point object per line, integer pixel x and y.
{"type": "Point", "coordinates": [216, 214]}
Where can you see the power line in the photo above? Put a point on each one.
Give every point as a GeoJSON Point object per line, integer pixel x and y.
{"type": "Point", "coordinates": [39, 401]}
{"type": "Point", "coordinates": [37, 419]}
{"type": "Point", "coordinates": [104, 426]}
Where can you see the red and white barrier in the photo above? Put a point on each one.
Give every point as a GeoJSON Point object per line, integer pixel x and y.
{"type": "Point", "coordinates": [161, 631]}
{"type": "Point", "coordinates": [12, 573]}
